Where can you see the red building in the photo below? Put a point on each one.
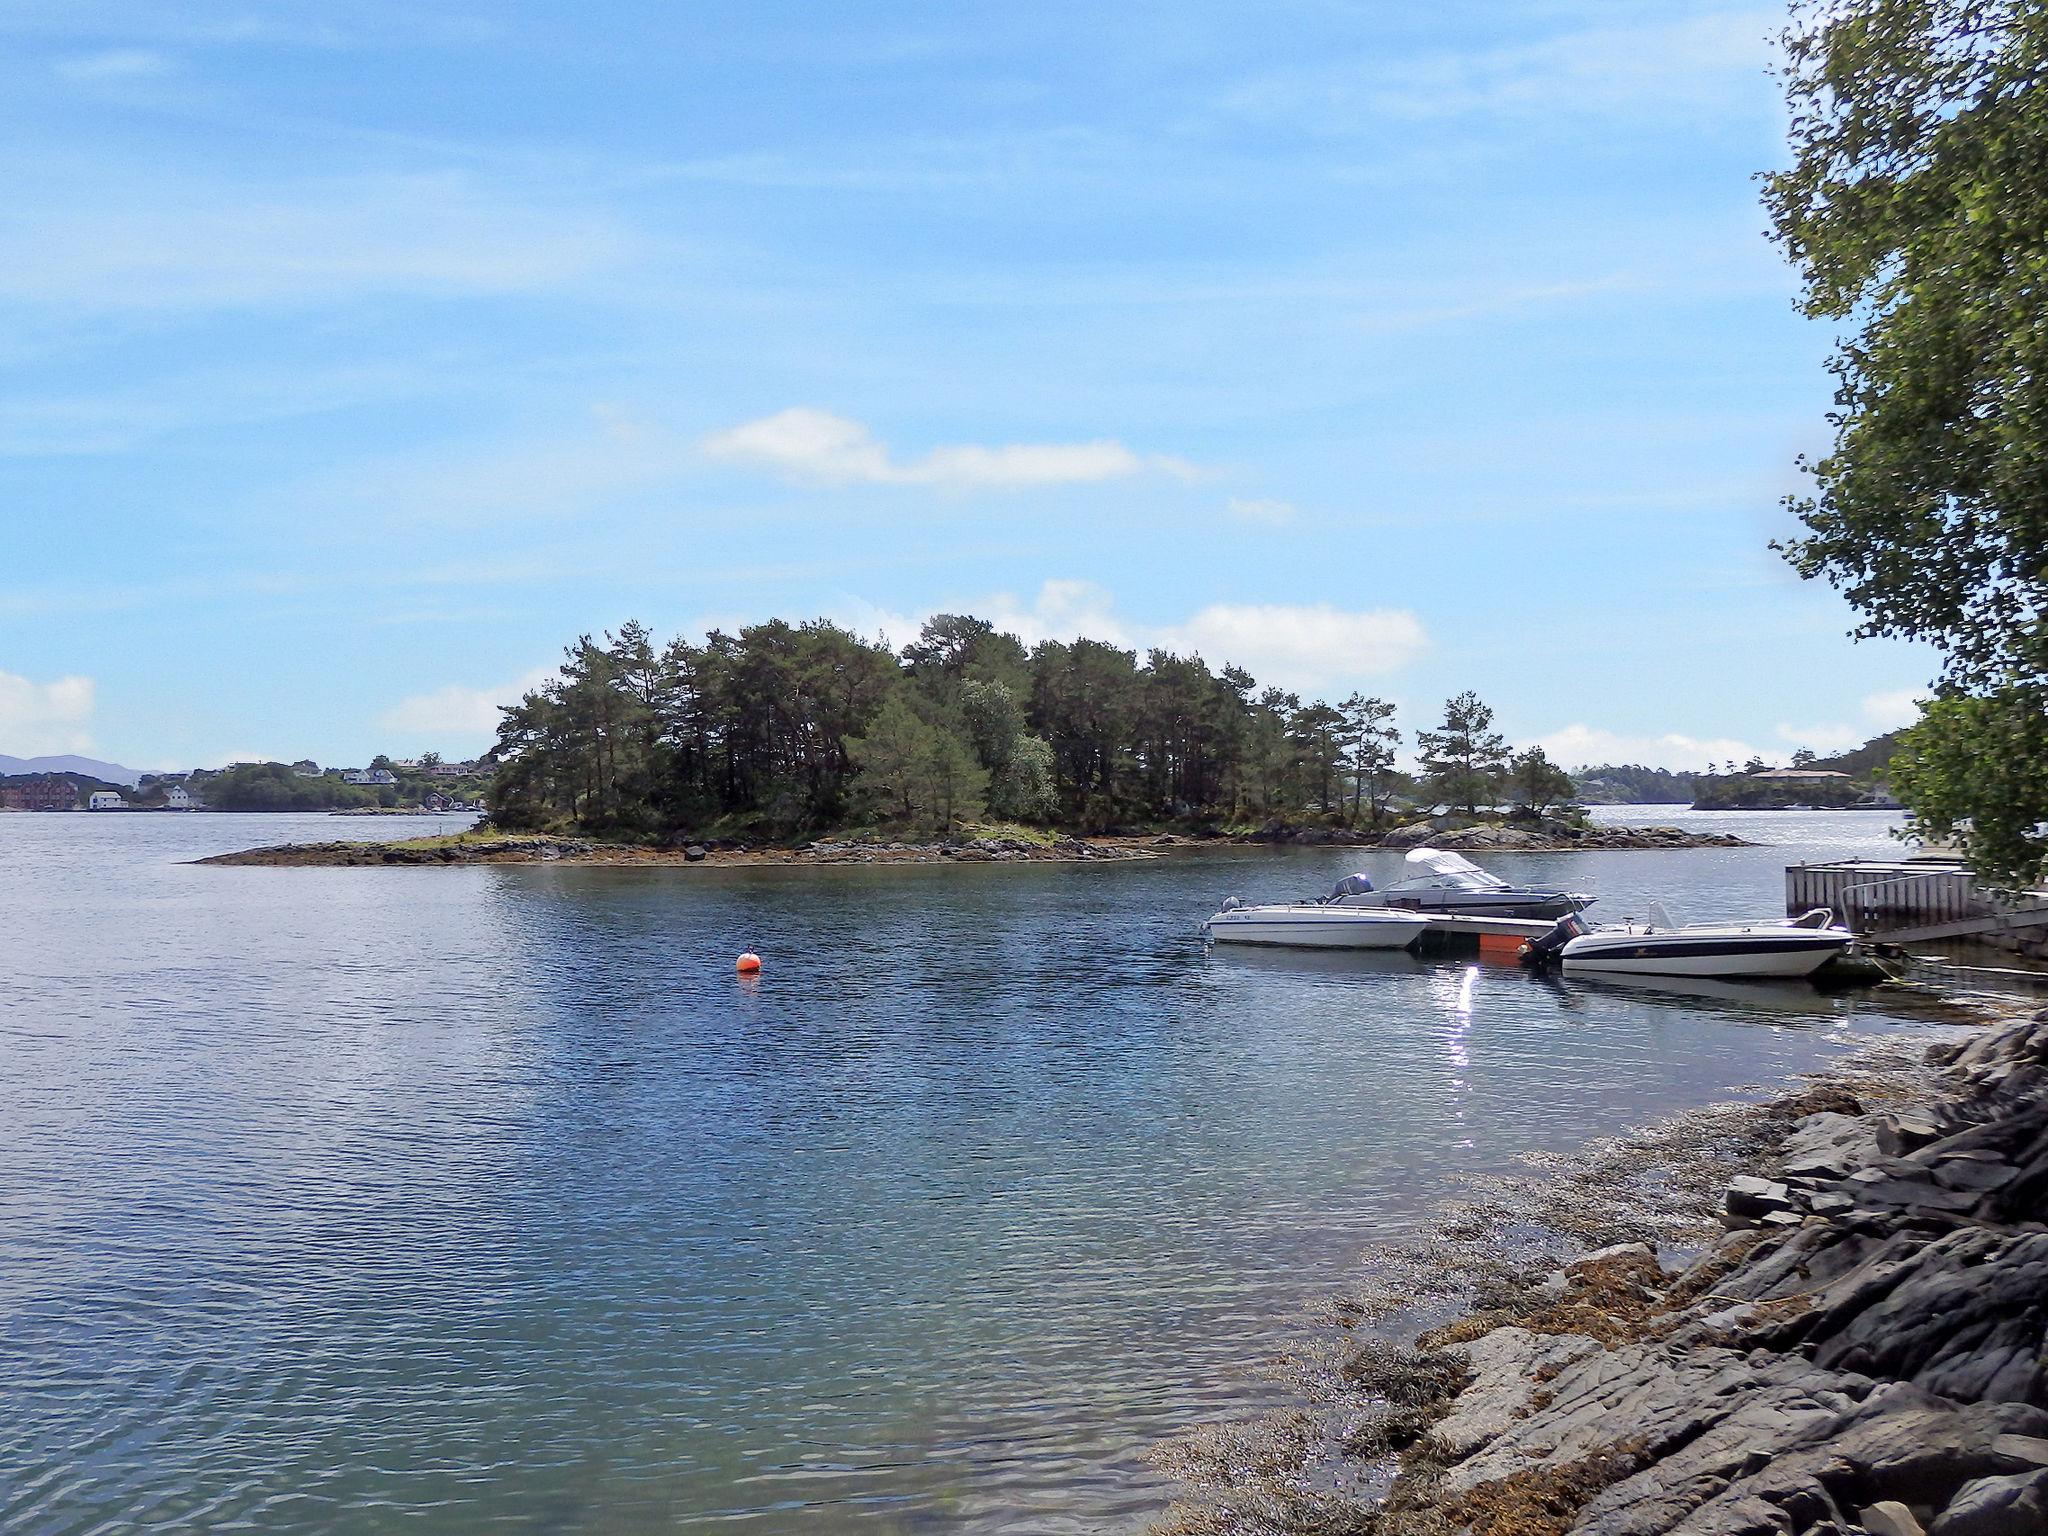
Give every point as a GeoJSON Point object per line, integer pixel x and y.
{"type": "Point", "coordinates": [50, 792]}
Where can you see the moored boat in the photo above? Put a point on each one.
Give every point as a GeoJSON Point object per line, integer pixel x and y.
{"type": "Point", "coordinates": [1444, 881]}
{"type": "Point", "coordinates": [1659, 947]}
{"type": "Point", "coordinates": [1315, 925]}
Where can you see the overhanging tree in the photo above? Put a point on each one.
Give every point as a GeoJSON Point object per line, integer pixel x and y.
{"type": "Point", "coordinates": [1916, 209]}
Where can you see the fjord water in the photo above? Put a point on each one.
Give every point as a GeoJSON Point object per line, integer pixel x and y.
{"type": "Point", "coordinates": [489, 1198]}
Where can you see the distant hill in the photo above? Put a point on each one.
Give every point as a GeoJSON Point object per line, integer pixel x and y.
{"type": "Point", "coordinates": [1868, 761]}
{"type": "Point", "coordinates": [1631, 784]}
{"type": "Point", "coordinates": [89, 767]}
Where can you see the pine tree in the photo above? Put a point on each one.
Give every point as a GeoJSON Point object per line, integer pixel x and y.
{"type": "Point", "coordinates": [1463, 760]}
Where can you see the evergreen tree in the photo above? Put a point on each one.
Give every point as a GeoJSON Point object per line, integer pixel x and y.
{"type": "Point", "coordinates": [1536, 783]}
{"type": "Point", "coordinates": [1463, 760]}
{"type": "Point", "coordinates": [1370, 741]}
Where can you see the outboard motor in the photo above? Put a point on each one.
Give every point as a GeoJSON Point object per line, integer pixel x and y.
{"type": "Point", "coordinates": [1350, 885]}
{"type": "Point", "coordinates": [1546, 947]}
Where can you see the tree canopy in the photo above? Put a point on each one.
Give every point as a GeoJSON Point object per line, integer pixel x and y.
{"type": "Point", "coordinates": [786, 728]}
{"type": "Point", "coordinates": [1916, 209]}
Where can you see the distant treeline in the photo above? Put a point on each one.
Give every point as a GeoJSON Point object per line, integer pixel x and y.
{"type": "Point", "coordinates": [277, 787]}
{"type": "Point", "coordinates": [1632, 784]}
{"type": "Point", "coordinates": [785, 728]}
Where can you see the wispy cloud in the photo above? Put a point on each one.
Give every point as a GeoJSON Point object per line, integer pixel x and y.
{"type": "Point", "coordinates": [1579, 745]}
{"type": "Point", "coordinates": [580, 468]}
{"type": "Point", "coordinates": [1674, 66]}
{"type": "Point", "coordinates": [458, 715]}
{"type": "Point", "coordinates": [114, 66]}
{"type": "Point", "coordinates": [1260, 509]}
{"type": "Point", "coordinates": [820, 448]}
{"type": "Point", "coordinates": [127, 245]}
{"type": "Point", "coordinates": [41, 718]}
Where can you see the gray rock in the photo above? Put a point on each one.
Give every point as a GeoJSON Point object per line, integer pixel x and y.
{"type": "Point", "coordinates": [2014, 1505]}
{"type": "Point", "coordinates": [1752, 1198]}
{"type": "Point", "coordinates": [1888, 1517]}
{"type": "Point", "coordinates": [1505, 1365]}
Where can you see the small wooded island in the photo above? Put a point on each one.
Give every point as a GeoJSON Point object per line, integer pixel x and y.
{"type": "Point", "coordinates": [805, 741]}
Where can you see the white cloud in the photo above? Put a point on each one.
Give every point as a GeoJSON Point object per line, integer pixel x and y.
{"type": "Point", "coordinates": [1891, 711]}
{"type": "Point", "coordinates": [1305, 647]}
{"type": "Point", "coordinates": [818, 447]}
{"type": "Point", "coordinates": [457, 715]}
{"type": "Point", "coordinates": [1578, 746]}
{"type": "Point", "coordinates": [1881, 712]}
{"type": "Point", "coordinates": [1263, 510]}
{"type": "Point", "coordinates": [38, 719]}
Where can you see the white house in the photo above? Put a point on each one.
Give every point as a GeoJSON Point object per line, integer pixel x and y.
{"type": "Point", "coordinates": [177, 798]}
{"type": "Point", "coordinates": [106, 800]}
{"type": "Point", "coordinates": [369, 776]}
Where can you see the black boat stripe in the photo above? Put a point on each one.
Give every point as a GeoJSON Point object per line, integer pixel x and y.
{"type": "Point", "coordinates": [1650, 947]}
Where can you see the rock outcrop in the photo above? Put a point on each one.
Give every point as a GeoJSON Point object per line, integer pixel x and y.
{"type": "Point", "coordinates": [1862, 1352]}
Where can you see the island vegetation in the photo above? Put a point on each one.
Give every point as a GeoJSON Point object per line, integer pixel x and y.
{"type": "Point", "coordinates": [782, 729]}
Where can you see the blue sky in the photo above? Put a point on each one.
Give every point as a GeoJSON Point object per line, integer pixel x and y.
{"type": "Point", "coordinates": [354, 358]}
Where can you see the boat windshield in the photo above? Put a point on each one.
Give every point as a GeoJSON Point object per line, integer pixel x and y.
{"type": "Point", "coordinates": [1450, 870]}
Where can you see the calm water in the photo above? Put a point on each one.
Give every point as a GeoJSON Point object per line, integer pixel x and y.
{"type": "Point", "coordinates": [470, 1199]}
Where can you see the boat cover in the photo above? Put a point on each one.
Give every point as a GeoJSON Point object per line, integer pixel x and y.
{"type": "Point", "coordinates": [1456, 868]}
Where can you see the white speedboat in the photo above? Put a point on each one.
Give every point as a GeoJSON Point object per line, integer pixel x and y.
{"type": "Point", "coordinates": [1659, 947]}
{"type": "Point", "coordinates": [1315, 925]}
{"type": "Point", "coordinates": [1444, 881]}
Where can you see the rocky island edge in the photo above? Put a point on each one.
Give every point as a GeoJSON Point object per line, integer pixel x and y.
{"type": "Point", "coordinates": [484, 845]}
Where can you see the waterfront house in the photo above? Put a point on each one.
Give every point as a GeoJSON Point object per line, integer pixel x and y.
{"type": "Point", "coordinates": [370, 776]}
{"type": "Point", "coordinates": [178, 798]}
{"type": "Point", "coordinates": [106, 800]}
{"type": "Point", "coordinates": [1801, 776]}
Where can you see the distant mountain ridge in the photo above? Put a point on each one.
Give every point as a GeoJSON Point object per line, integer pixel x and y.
{"type": "Point", "coordinates": [91, 767]}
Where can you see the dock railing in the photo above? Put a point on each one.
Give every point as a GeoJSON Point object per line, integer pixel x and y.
{"type": "Point", "coordinates": [1877, 897]}
{"type": "Point", "coordinates": [1906, 905]}
{"type": "Point", "coordinates": [1862, 915]}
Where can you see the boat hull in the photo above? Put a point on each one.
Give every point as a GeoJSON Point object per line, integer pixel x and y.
{"type": "Point", "coordinates": [1752, 955]}
{"type": "Point", "coordinates": [1317, 927]}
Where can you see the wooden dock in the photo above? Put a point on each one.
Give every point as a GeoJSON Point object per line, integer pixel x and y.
{"type": "Point", "coordinates": [1908, 901]}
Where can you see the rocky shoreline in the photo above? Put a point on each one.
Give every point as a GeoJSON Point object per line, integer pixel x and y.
{"type": "Point", "coordinates": [525, 848]}
{"type": "Point", "coordinates": [1500, 837]}
{"type": "Point", "coordinates": [1858, 1350]}
{"type": "Point", "coordinates": [536, 849]}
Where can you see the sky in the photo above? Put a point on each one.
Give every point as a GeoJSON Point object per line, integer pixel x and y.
{"type": "Point", "coordinates": [355, 358]}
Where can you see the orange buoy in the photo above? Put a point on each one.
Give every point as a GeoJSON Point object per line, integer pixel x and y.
{"type": "Point", "coordinates": [747, 964]}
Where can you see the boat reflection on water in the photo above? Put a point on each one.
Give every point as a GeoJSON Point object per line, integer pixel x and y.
{"type": "Point", "coordinates": [1771, 998]}
{"type": "Point", "coordinates": [1319, 962]}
